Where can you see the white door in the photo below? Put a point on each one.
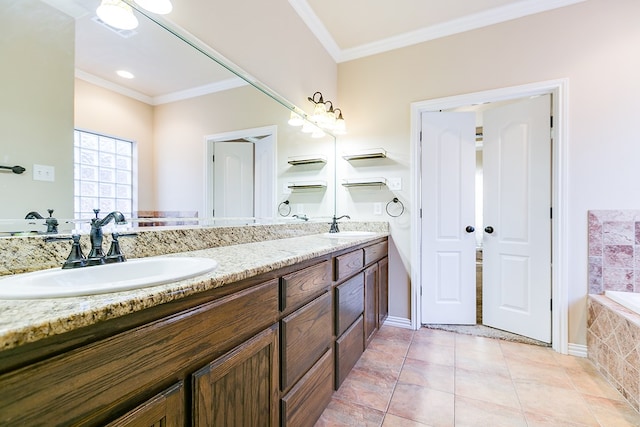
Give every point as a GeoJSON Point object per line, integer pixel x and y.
{"type": "Point", "coordinates": [517, 220]}
{"type": "Point", "coordinates": [448, 246]}
{"type": "Point", "coordinates": [233, 179]}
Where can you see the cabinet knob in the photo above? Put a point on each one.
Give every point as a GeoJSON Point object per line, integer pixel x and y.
{"type": "Point", "coordinates": [469, 229]}
{"type": "Point", "coordinates": [488, 229]}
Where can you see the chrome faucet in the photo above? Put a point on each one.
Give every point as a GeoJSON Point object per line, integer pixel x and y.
{"type": "Point", "coordinates": [334, 223]}
{"type": "Point", "coordinates": [96, 255]}
{"type": "Point", "coordinates": [52, 223]}
{"type": "Point", "coordinates": [302, 217]}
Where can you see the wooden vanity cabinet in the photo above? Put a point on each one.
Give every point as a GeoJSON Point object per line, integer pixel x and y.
{"type": "Point", "coordinates": [266, 351]}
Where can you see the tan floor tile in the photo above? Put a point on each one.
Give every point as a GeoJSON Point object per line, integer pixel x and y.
{"type": "Point", "coordinates": [367, 387]}
{"type": "Point", "coordinates": [482, 362]}
{"type": "Point", "coordinates": [554, 376]}
{"type": "Point", "coordinates": [390, 345]}
{"type": "Point", "coordinates": [540, 420]}
{"type": "Point", "coordinates": [394, 421]}
{"type": "Point", "coordinates": [527, 352]}
{"type": "Point", "coordinates": [476, 413]}
{"type": "Point", "coordinates": [342, 414]}
{"type": "Point", "coordinates": [425, 374]}
{"type": "Point", "coordinates": [425, 405]}
{"type": "Point", "coordinates": [489, 388]}
{"type": "Point", "coordinates": [395, 333]}
{"type": "Point", "coordinates": [432, 353]}
{"type": "Point", "coordinates": [388, 361]}
{"type": "Point", "coordinates": [612, 413]}
{"type": "Point", "coordinates": [483, 344]}
{"type": "Point", "coordinates": [587, 380]}
{"type": "Point", "coordinates": [435, 336]}
{"type": "Point", "coordinates": [559, 403]}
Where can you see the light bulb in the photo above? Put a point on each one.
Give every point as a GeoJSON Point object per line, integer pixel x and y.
{"type": "Point", "coordinates": [295, 119]}
{"type": "Point", "coordinates": [117, 14]}
{"type": "Point", "coordinates": [161, 7]}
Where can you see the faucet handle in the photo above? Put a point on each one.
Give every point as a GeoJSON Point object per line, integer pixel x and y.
{"type": "Point", "coordinates": [114, 254]}
{"type": "Point", "coordinates": [96, 211]}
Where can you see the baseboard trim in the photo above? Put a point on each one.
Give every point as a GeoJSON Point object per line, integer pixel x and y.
{"type": "Point", "coordinates": [398, 322]}
{"type": "Point", "coordinates": [579, 350]}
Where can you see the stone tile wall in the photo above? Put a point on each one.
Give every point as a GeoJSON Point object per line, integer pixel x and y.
{"type": "Point", "coordinates": [614, 251]}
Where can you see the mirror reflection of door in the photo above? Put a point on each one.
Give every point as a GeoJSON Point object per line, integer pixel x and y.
{"type": "Point", "coordinates": [241, 174]}
{"type": "Point", "coordinates": [233, 179]}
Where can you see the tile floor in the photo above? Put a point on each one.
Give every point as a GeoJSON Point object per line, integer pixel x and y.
{"type": "Point", "coordinates": [437, 378]}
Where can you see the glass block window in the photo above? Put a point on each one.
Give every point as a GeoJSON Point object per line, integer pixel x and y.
{"type": "Point", "coordinates": [103, 174]}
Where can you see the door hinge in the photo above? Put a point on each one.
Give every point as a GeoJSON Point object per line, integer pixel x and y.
{"type": "Point", "coordinates": [213, 158]}
{"type": "Point", "coordinates": [551, 212]}
{"type": "Point", "coordinates": [213, 212]}
{"type": "Point", "coordinates": [421, 213]}
{"type": "Point", "coordinates": [420, 136]}
{"type": "Point", "coordinates": [551, 304]}
{"type": "Point", "coordinates": [551, 121]}
{"type": "Point", "coordinates": [420, 290]}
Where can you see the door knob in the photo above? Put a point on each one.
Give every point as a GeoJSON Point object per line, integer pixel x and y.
{"type": "Point", "coordinates": [469, 229]}
{"type": "Point", "coordinates": [488, 229]}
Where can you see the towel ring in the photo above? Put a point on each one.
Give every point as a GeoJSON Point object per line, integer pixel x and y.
{"type": "Point", "coordinates": [395, 202]}
{"type": "Point", "coordinates": [284, 208]}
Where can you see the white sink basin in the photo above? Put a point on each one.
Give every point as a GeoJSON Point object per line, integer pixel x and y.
{"type": "Point", "coordinates": [350, 234]}
{"type": "Point", "coordinates": [134, 274]}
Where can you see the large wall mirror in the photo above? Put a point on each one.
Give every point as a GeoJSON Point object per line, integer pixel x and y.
{"type": "Point", "coordinates": [182, 110]}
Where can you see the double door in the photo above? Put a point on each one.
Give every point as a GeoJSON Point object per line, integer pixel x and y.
{"type": "Point", "coordinates": [515, 227]}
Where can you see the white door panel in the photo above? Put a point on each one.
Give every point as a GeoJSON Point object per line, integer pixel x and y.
{"type": "Point", "coordinates": [517, 201]}
{"type": "Point", "coordinates": [448, 260]}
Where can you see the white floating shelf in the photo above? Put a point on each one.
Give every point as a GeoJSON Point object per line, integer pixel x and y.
{"type": "Point", "coordinates": [364, 182]}
{"type": "Point", "coordinates": [306, 160]}
{"type": "Point", "coordinates": [372, 153]}
{"type": "Point", "coordinates": [306, 185]}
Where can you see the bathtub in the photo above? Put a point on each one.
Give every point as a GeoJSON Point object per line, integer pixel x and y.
{"type": "Point", "coordinates": [630, 300]}
{"type": "Point", "coordinates": [613, 328]}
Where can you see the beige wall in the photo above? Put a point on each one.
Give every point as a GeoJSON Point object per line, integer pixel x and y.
{"type": "Point", "coordinates": [106, 112]}
{"type": "Point", "coordinates": [594, 44]}
{"type": "Point", "coordinates": [268, 40]}
{"type": "Point", "coordinates": [36, 108]}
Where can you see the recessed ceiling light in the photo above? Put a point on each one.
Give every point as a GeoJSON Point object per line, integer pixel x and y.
{"type": "Point", "coordinates": [125, 74]}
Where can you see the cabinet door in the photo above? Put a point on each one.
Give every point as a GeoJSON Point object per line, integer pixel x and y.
{"type": "Point", "coordinates": [306, 335]}
{"type": "Point", "coordinates": [383, 290]}
{"type": "Point", "coordinates": [240, 388]}
{"type": "Point", "coordinates": [163, 410]}
{"type": "Point", "coordinates": [370, 303]}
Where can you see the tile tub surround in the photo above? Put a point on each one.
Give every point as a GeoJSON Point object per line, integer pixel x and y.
{"type": "Point", "coordinates": [26, 321]}
{"type": "Point", "coordinates": [613, 340]}
{"type": "Point", "coordinates": [614, 251]}
{"type": "Point", "coordinates": [32, 253]}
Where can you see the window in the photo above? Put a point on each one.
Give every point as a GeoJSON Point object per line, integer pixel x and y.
{"type": "Point", "coordinates": [103, 174]}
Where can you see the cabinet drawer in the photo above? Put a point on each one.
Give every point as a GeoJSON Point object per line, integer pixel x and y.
{"type": "Point", "coordinates": [348, 264]}
{"type": "Point", "coordinates": [304, 404]}
{"type": "Point", "coordinates": [349, 348]}
{"type": "Point", "coordinates": [349, 302]}
{"type": "Point", "coordinates": [375, 252]}
{"type": "Point", "coordinates": [83, 386]}
{"type": "Point", "coordinates": [300, 287]}
{"type": "Point", "coordinates": [305, 336]}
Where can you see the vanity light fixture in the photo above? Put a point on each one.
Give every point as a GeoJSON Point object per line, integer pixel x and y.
{"type": "Point", "coordinates": [117, 14]}
{"type": "Point", "coordinates": [324, 117]}
{"type": "Point", "coordinates": [161, 7]}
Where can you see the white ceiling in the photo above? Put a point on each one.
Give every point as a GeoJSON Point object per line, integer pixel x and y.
{"type": "Point", "coordinates": [357, 28]}
{"type": "Point", "coordinates": [166, 71]}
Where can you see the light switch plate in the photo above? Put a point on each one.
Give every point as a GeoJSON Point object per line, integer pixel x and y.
{"type": "Point", "coordinates": [394, 184]}
{"type": "Point", "coordinates": [377, 208]}
{"type": "Point", "coordinates": [44, 173]}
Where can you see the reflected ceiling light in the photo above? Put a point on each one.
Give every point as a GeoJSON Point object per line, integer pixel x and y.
{"type": "Point", "coordinates": [117, 14]}
{"type": "Point", "coordinates": [161, 7]}
{"type": "Point", "coordinates": [324, 116]}
{"type": "Point", "coordinates": [125, 74]}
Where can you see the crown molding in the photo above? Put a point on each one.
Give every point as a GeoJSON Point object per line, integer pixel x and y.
{"type": "Point", "coordinates": [456, 26]}
{"type": "Point", "coordinates": [220, 86]}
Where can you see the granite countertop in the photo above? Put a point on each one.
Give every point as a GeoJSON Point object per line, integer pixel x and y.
{"type": "Point", "coordinates": [26, 321]}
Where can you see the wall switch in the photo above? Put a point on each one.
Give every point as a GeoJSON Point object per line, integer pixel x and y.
{"type": "Point", "coordinates": [44, 173]}
{"type": "Point", "coordinates": [395, 184]}
{"type": "Point", "coordinates": [377, 208]}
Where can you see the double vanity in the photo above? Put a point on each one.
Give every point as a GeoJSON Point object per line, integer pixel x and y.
{"type": "Point", "coordinates": [263, 338]}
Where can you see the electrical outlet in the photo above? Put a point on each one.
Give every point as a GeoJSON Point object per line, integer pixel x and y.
{"type": "Point", "coordinates": [395, 184]}
{"type": "Point", "coordinates": [377, 208]}
{"type": "Point", "coordinates": [44, 173]}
